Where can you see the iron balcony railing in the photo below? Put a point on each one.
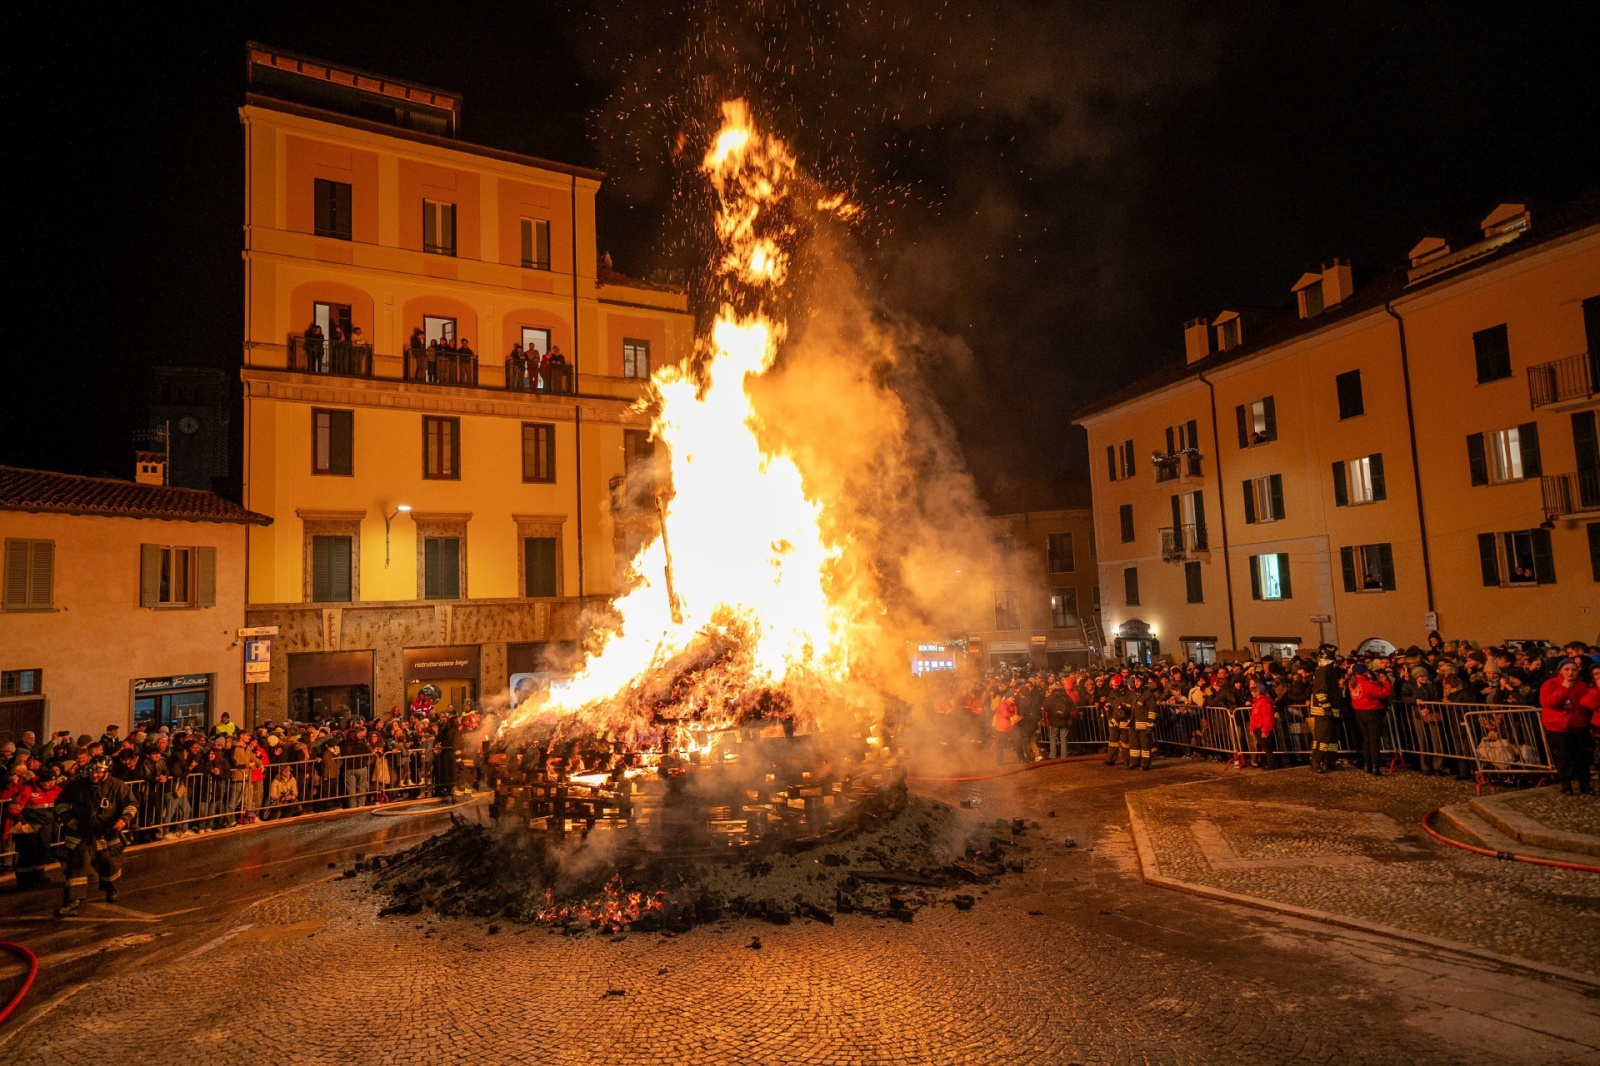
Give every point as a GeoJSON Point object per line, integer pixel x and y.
{"type": "Point", "coordinates": [526, 375]}
{"type": "Point", "coordinates": [1181, 542]}
{"type": "Point", "coordinates": [1566, 494]}
{"type": "Point", "coordinates": [1576, 377]}
{"type": "Point", "coordinates": [1174, 465]}
{"type": "Point", "coordinates": [441, 366]}
{"type": "Point", "coordinates": [318, 355]}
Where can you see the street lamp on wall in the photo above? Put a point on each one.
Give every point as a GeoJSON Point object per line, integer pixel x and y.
{"type": "Point", "coordinates": [388, 518]}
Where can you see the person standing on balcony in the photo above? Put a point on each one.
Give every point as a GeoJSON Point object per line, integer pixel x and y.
{"type": "Point", "coordinates": [558, 370]}
{"type": "Point", "coordinates": [315, 348]}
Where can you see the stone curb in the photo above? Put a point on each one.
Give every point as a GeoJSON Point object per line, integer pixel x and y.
{"type": "Point", "coordinates": [1498, 812]}
{"type": "Point", "coordinates": [1150, 871]}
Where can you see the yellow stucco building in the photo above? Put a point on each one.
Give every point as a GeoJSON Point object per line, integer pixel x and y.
{"type": "Point", "coordinates": [1418, 453]}
{"type": "Point", "coordinates": [1046, 608]}
{"type": "Point", "coordinates": [439, 379]}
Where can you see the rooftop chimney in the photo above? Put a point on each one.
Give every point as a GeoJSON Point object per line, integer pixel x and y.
{"type": "Point", "coordinates": [1428, 249]}
{"type": "Point", "coordinates": [1506, 218]}
{"type": "Point", "coordinates": [1337, 282]}
{"type": "Point", "coordinates": [150, 468]}
{"type": "Point", "coordinates": [1196, 340]}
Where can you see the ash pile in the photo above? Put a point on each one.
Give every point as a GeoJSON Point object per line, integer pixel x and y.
{"type": "Point", "coordinates": [905, 857]}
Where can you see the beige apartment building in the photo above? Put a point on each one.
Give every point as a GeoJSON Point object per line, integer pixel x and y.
{"type": "Point", "coordinates": [1415, 454]}
{"type": "Point", "coordinates": [440, 377]}
{"type": "Point", "coordinates": [1046, 615]}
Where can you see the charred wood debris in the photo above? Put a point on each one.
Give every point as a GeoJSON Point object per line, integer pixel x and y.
{"type": "Point", "coordinates": [924, 854]}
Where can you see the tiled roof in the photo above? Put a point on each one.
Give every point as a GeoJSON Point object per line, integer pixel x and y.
{"type": "Point", "coordinates": [44, 490]}
{"type": "Point", "coordinates": [1391, 284]}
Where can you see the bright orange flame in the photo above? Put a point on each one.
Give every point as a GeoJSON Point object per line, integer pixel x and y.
{"type": "Point", "coordinates": [748, 559]}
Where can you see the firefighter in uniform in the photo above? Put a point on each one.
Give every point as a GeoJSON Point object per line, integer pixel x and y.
{"type": "Point", "coordinates": [1326, 698]}
{"type": "Point", "coordinates": [1119, 717]}
{"type": "Point", "coordinates": [1142, 706]}
{"type": "Point", "coordinates": [33, 812]}
{"type": "Point", "coordinates": [94, 810]}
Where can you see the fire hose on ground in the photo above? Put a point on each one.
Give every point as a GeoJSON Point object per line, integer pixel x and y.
{"type": "Point", "coordinates": [31, 961]}
{"type": "Point", "coordinates": [1503, 855]}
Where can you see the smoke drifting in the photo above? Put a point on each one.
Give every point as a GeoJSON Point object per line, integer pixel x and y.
{"type": "Point", "coordinates": [997, 149]}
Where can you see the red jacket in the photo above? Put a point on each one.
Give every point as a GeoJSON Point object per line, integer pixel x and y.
{"type": "Point", "coordinates": [1561, 707]}
{"type": "Point", "coordinates": [1006, 714]}
{"type": "Point", "coordinates": [1261, 715]}
{"type": "Point", "coordinates": [1367, 693]}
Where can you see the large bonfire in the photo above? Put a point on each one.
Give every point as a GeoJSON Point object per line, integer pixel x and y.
{"type": "Point", "coordinates": [729, 614]}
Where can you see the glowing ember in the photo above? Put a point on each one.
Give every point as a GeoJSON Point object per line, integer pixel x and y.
{"type": "Point", "coordinates": [730, 601]}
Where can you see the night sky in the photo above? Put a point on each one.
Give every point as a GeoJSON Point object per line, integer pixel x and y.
{"type": "Point", "coordinates": [1052, 188]}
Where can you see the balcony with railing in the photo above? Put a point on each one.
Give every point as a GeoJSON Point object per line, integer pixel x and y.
{"type": "Point", "coordinates": [1175, 465]}
{"type": "Point", "coordinates": [1575, 379]}
{"type": "Point", "coordinates": [441, 366]}
{"type": "Point", "coordinates": [1569, 494]}
{"type": "Point", "coordinates": [318, 355]}
{"type": "Point", "coordinates": [1179, 543]}
{"type": "Point", "coordinates": [527, 375]}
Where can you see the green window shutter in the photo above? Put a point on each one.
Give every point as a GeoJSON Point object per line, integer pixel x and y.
{"type": "Point", "coordinates": [430, 568]}
{"type": "Point", "coordinates": [1193, 458]}
{"type": "Point", "coordinates": [1477, 459]}
{"type": "Point", "coordinates": [1488, 559]}
{"type": "Point", "coordinates": [206, 576]}
{"type": "Point", "coordinates": [1380, 490]}
{"type": "Point", "coordinates": [319, 569]}
{"type": "Point", "coordinates": [1199, 520]}
{"type": "Point", "coordinates": [1244, 426]}
{"type": "Point", "coordinates": [18, 567]}
{"type": "Point", "coordinates": [149, 575]}
{"type": "Point", "coordinates": [322, 193]}
{"type": "Point", "coordinates": [450, 567]}
{"type": "Point", "coordinates": [1341, 490]}
{"type": "Point", "coordinates": [527, 240]}
{"type": "Point", "coordinates": [1172, 442]}
{"type": "Point", "coordinates": [1386, 566]}
{"type": "Point", "coordinates": [1271, 419]}
{"type": "Point", "coordinates": [1255, 577]}
{"type": "Point", "coordinates": [1544, 560]}
{"type": "Point", "coordinates": [1127, 458]}
{"type": "Point", "coordinates": [1528, 440]}
{"type": "Point", "coordinates": [42, 582]}
{"type": "Point", "coordinates": [453, 427]}
{"type": "Point", "coordinates": [1275, 490]}
{"type": "Point", "coordinates": [539, 566]}
{"type": "Point", "coordinates": [340, 579]}
{"type": "Point", "coordinates": [1249, 503]}
{"type": "Point", "coordinates": [341, 208]}
{"type": "Point", "coordinates": [1283, 575]}
{"type": "Point", "coordinates": [341, 434]}
{"type": "Point", "coordinates": [1347, 563]}
{"type": "Point", "coordinates": [1111, 461]}
{"type": "Point", "coordinates": [1125, 515]}
{"type": "Point", "coordinates": [1493, 350]}
{"type": "Point", "coordinates": [541, 231]}
{"type": "Point", "coordinates": [1594, 547]}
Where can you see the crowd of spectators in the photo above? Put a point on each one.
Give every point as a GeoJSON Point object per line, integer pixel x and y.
{"type": "Point", "coordinates": [1027, 714]}
{"type": "Point", "coordinates": [191, 781]}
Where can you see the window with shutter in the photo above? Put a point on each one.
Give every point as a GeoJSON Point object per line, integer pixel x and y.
{"type": "Point", "coordinates": [538, 452]}
{"type": "Point", "coordinates": [1285, 592]}
{"type": "Point", "coordinates": [1493, 350]}
{"type": "Point", "coordinates": [1128, 465]}
{"type": "Point", "coordinates": [1269, 576]}
{"type": "Point", "coordinates": [1064, 608]}
{"type": "Point", "coordinates": [1488, 559]}
{"type": "Point", "coordinates": [438, 227]}
{"type": "Point", "coordinates": [441, 568]}
{"type": "Point", "coordinates": [1255, 577]}
{"type": "Point", "coordinates": [1351, 402]}
{"type": "Point", "coordinates": [331, 569]}
{"type": "Point", "coordinates": [333, 216]}
{"type": "Point", "coordinates": [149, 575]}
{"type": "Point", "coordinates": [1347, 565]}
{"type": "Point", "coordinates": [1192, 583]}
{"type": "Point", "coordinates": [332, 439]}
{"type": "Point", "coordinates": [205, 560]}
{"type": "Point", "coordinates": [1477, 459]}
{"type": "Point", "coordinates": [1111, 461]}
{"type": "Point", "coordinates": [1058, 553]}
{"type": "Point", "coordinates": [1341, 488]}
{"type": "Point", "coordinates": [539, 566]}
{"type": "Point", "coordinates": [29, 576]}
{"type": "Point", "coordinates": [1130, 586]}
{"type": "Point", "coordinates": [535, 244]}
{"type": "Point", "coordinates": [1593, 530]}
{"type": "Point", "coordinates": [441, 448]}
{"type": "Point", "coordinates": [1375, 477]}
{"type": "Point", "coordinates": [1125, 517]}
{"type": "Point", "coordinates": [635, 358]}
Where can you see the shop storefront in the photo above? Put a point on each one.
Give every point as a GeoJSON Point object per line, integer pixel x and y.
{"type": "Point", "coordinates": [1010, 653]}
{"type": "Point", "coordinates": [444, 677]}
{"type": "Point", "coordinates": [1066, 655]}
{"type": "Point", "coordinates": [1200, 650]}
{"type": "Point", "coordinates": [333, 686]}
{"type": "Point", "coordinates": [1136, 642]}
{"type": "Point", "coordinates": [936, 657]}
{"type": "Point", "coordinates": [182, 701]}
{"type": "Point", "coordinates": [531, 667]}
{"type": "Point", "coordinates": [1276, 647]}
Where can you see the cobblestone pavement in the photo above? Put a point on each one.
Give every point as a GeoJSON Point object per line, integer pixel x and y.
{"type": "Point", "coordinates": [1074, 960]}
{"type": "Point", "coordinates": [1570, 814]}
{"type": "Point", "coordinates": [1350, 844]}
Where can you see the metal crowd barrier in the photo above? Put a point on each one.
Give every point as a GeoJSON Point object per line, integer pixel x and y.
{"type": "Point", "coordinates": [1507, 743]}
{"type": "Point", "coordinates": [1209, 729]}
{"type": "Point", "coordinates": [208, 800]}
{"type": "Point", "coordinates": [1432, 730]}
